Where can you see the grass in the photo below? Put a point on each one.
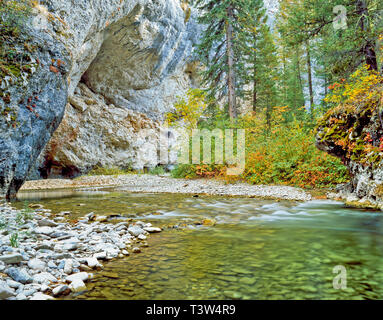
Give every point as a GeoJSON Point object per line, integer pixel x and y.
{"type": "Point", "coordinates": [157, 170]}
{"type": "Point", "coordinates": [109, 171]}
{"type": "Point", "coordinates": [14, 239]}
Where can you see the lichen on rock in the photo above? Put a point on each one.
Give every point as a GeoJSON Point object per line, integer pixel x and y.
{"type": "Point", "coordinates": [353, 132]}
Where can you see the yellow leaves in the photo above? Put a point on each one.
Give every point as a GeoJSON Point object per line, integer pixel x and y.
{"type": "Point", "coordinates": [188, 109]}
{"type": "Point", "coordinates": [360, 88]}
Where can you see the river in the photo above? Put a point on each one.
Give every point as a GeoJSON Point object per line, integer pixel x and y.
{"type": "Point", "coordinates": [258, 249]}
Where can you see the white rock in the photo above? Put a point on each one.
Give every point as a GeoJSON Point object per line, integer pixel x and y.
{"type": "Point", "coordinates": [12, 258]}
{"type": "Point", "coordinates": [68, 266]}
{"type": "Point", "coordinates": [102, 218]}
{"type": "Point", "coordinates": [100, 255]}
{"type": "Point", "coordinates": [152, 229]}
{"type": "Point", "coordinates": [21, 296]}
{"type": "Point", "coordinates": [41, 296]}
{"type": "Point", "coordinates": [136, 230]}
{"type": "Point", "coordinates": [36, 264]}
{"type": "Point", "coordinates": [13, 284]}
{"type": "Point", "coordinates": [71, 244]}
{"type": "Point", "coordinates": [93, 262]}
{"type": "Point", "coordinates": [44, 288]}
{"type": "Point", "coordinates": [59, 290]}
{"type": "Point", "coordinates": [5, 291]}
{"type": "Point", "coordinates": [83, 276]}
{"type": "Point", "coordinates": [77, 285]}
{"type": "Point", "coordinates": [44, 277]}
{"type": "Point", "coordinates": [44, 230]}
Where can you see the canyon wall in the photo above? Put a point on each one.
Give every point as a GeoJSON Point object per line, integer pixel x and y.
{"type": "Point", "coordinates": [104, 69]}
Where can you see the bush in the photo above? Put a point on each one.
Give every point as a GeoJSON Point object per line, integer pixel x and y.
{"type": "Point", "coordinates": [283, 153]}
{"type": "Point", "coordinates": [157, 170]}
{"type": "Point", "coordinates": [188, 110]}
{"type": "Point", "coordinates": [352, 128]}
{"type": "Point", "coordinates": [111, 171]}
{"type": "Point", "coordinates": [13, 14]}
{"type": "Point", "coordinates": [15, 61]}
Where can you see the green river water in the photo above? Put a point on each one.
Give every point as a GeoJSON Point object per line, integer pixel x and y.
{"type": "Point", "coordinates": [258, 249]}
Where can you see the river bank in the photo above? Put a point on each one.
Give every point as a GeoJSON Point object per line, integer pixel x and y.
{"type": "Point", "coordinates": [165, 184]}
{"type": "Point", "coordinates": [43, 256]}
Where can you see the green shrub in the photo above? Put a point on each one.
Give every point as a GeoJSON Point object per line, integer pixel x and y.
{"type": "Point", "coordinates": [157, 170]}
{"type": "Point", "coordinates": [283, 154]}
{"type": "Point", "coordinates": [14, 239]}
{"type": "Point", "coordinates": [13, 14]}
{"type": "Point", "coordinates": [110, 171]}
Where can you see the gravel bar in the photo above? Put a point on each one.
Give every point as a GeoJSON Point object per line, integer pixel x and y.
{"type": "Point", "coordinates": [164, 184]}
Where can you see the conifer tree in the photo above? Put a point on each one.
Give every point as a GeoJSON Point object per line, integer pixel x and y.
{"type": "Point", "coordinates": [219, 50]}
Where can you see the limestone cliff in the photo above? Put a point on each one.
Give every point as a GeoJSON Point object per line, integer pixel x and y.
{"type": "Point", "coordinates": [130, 58]}
{"type": "Point", "coordinates": [353, 132]}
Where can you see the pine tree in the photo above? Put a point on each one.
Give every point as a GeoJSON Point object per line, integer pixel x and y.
{"type": "Point", "coordinates": [268, 74]}
{"type": "Point", "coordinates": [260, 71]}
{"type": "Point", "coordinates": [254, 21]}
{"type": "Point", "coordinates": [346, 48]}
{"type": "Point", "coordinates": [219, 50]}
{"type": "Point", "coordinates": [291, 54]}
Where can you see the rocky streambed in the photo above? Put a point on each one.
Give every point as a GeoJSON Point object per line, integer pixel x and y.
{"type": "Point", "coordinates": [43, 257]}
{"type": "Point", "coordinates": [164, 184]}
{"type": "Point", "coordinates": [210, 247]}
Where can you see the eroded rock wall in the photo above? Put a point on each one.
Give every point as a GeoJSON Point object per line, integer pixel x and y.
{"type": "Point", "coordinates": [95, 133]}
{"type": "Point", "coordinates": [133, 54]}
{"type": "Point", "coordinates": [354, 133]}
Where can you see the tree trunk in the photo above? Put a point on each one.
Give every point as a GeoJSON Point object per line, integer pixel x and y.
{"type": "Point", "coordinates": [299, 77]}
{"type": "Point", "coordinates": [284, 75]}
{"type": "Point", "coordinates": [369, 48]}
{"type": "Point", "coordinates": [309, 71]}
{"type": "Point", "coordinates": [230, 64]}
{"type": "Point", "coordinates": [255, 81]}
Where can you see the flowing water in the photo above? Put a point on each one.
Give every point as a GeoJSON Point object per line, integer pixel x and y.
{"type": "Point", "coordinates": [258, 249]}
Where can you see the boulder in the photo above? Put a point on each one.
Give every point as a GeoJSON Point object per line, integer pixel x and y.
{"type": "Point", "coordinates": [136, 231]}
{"type": "Point", "coordinates": [5, 291]}
{"type": "Point", "coordinates": [77, 285]}
{"type": "Point", "coordinates": [19, 275]}
{"type": "Point", "coordinates": [36, 264]}
{"type": "Point", "coordinates": [83, 276]}
{"type": "Point", "coordinates": [44, 278]}
{"type": "Point", "coordinates": [12, 258]}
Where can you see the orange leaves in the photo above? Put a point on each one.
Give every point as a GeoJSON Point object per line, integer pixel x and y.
{"type": "Point", "coordinates": [210, 171]}
{"type": "Point", "coordinates": [284, 155]}
{"type": "Point", "coordinates": [53, 69]}
{"type": "Point", "coordinates": [60, 63]}
{"type": "Point", "coordinates": [361, 86]}
{"type": "Point", "coordinates": [368, 138]}
{"type": "Point", "coordinates": [56, 64]}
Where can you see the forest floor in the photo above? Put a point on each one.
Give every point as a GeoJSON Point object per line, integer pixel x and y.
{"type": "Point", "coordinates": [165, 184]}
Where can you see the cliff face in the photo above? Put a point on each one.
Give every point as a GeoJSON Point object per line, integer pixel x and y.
{"type": "Point", "coordinates": [353, 132]}
{"type": "Point", "coordinates": [130, 58]}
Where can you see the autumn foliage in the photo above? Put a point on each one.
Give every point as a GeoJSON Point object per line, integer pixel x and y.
{"type": "Point", "coordinates": [284, 154]}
